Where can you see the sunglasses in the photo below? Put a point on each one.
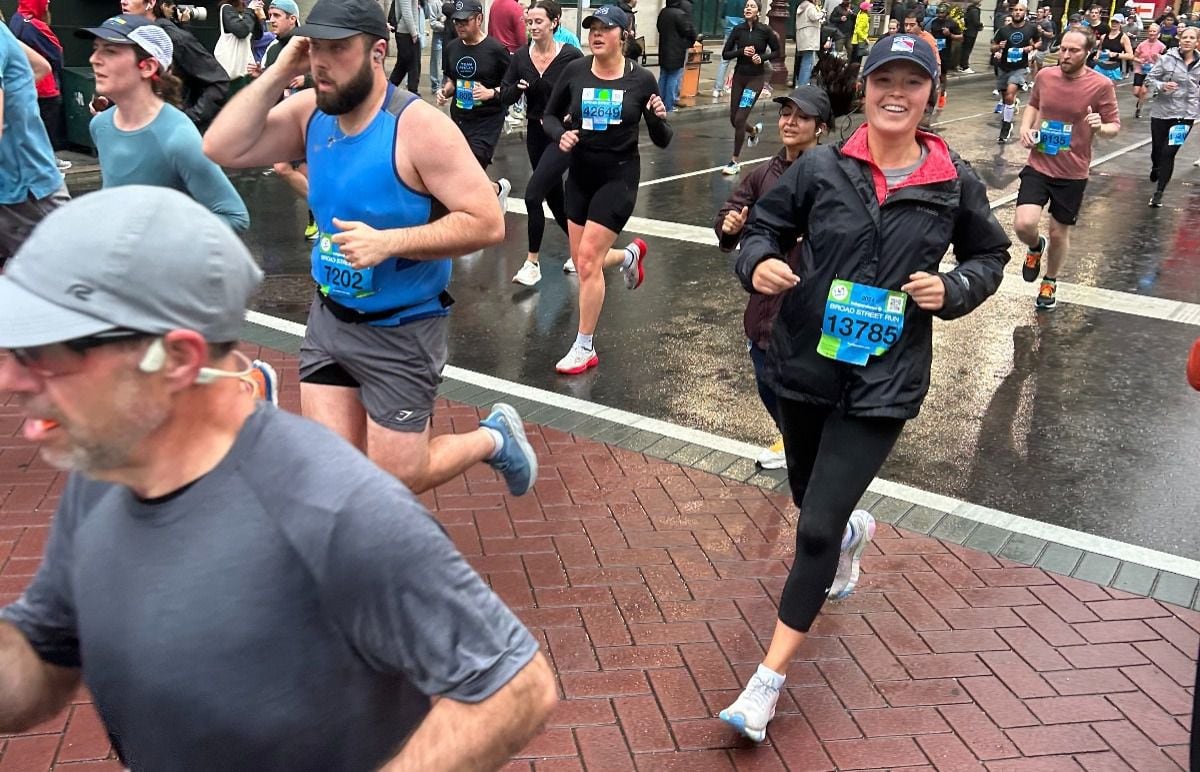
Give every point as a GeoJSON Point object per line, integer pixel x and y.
{"type": "Point", "coordinates": [67, 358]}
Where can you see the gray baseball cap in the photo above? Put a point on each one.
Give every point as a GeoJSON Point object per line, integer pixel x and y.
{"type": "Point", "coordinates": [135, 257]}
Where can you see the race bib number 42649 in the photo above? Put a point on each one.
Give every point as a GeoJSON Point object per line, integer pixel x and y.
{"type": "Point", "coordinates": [601, 108]}
{"type": "Point", "coordinates": [860, 321]}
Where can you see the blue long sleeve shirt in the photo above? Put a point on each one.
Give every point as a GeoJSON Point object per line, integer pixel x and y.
{"type": "Point", "coordinates": [166, 152]}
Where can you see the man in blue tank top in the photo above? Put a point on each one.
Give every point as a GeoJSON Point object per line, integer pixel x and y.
{"type": "Point", "coordinates": [395, 191]}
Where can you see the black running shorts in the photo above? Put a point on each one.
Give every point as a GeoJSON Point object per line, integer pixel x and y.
{"type": "Point", "coordinates": [1065, 196]}
{"type": "Point", "coordinates": [603, 194]}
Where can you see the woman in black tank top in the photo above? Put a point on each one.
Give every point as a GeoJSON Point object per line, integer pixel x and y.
{"type": "Point", "coordinates": [1114, 48]}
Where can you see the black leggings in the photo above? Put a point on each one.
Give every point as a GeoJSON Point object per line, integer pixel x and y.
{"type": "Point", "coordinates": [831, 459]}
{"type": "Point", "coordinates": [740, 116]}
{"type": "Point", "coordinates": [546, 184]}
{"type": "Point", "coordinates": [1162, 155]}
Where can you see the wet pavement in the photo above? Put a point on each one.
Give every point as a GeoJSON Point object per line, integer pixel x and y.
{"type": "Point", "coordinates": [1079, 418]}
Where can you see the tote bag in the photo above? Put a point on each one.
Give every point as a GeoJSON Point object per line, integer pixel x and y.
{"type": "Point", "coordinates": [233, 53]}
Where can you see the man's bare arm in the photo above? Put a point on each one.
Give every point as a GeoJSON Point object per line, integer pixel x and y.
{"type": "Point", "coordinates": [41, 67]}
{"type": "Point", "coordinates": [252, 130]}
{"type": "Point", "coordinates": [31, 690]}
{"type": "Point", "coordinates": [435, 148]}
{"type": "Point", "coordinates": [483, 736]}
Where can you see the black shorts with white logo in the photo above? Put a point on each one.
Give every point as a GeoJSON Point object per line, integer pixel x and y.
{"type": "Point", "coordinates": [1065, 196]}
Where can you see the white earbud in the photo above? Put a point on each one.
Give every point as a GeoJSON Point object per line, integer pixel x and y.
{"type": "Point", "coordinates": [156, 356]}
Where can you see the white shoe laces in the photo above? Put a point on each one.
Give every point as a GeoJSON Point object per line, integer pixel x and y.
{"type": "Point", "coordinates": [760, 695]}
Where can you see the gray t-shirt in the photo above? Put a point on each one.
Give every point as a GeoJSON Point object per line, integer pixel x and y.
{"type": "Point", "coordinates": [896, 177]}
{"type": "Point", "coordinates": [293, 609]}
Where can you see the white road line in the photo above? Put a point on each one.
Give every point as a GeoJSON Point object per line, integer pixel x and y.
{"type": "Point", "coordinates": [1005, 520]}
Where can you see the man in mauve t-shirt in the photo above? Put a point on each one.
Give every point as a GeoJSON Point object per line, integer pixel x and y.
{"type": "Point", "coordinates": [1070, 106]}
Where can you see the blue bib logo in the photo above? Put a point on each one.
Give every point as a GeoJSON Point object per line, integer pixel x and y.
{"type": "Point", "coordinates": [466, 67]}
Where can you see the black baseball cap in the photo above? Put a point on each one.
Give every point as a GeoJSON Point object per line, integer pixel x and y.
{"type": "Point", "coordinates": [901, 47]}
{"type": "Point", "coordinates": [338, 19]}
{"type": "Point", "coordinates": [810, 100]}
{"type": "Point", "coordinates": [609, 16]}
{"type": "Point", "coordinates": [465, 9]}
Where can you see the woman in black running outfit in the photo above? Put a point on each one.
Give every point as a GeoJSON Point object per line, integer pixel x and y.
{"type": "Point", "coordinates": [533, 71]}
{"type": "Point", "coordinates": [594, 114]}
{"type": "Point", "coordinates": [752, 44]}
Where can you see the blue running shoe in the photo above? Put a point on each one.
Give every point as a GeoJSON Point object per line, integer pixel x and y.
{"type": "Point", "coordinates": [516, 459]}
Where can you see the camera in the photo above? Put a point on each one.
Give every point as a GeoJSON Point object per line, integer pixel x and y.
{"type": "Point", "coordinates": [186, 13]}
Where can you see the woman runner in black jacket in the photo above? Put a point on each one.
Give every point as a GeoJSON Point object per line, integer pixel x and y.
{"type": "Point", "coordinates": [850, 352]}
{"type": "Point", "coordinates": [753, 44]}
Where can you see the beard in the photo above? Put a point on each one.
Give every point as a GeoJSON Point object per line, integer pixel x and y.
{"type": "Point", "coordinates": [345, 98]}
{"type": "Point", "coordinates": [135, 415]}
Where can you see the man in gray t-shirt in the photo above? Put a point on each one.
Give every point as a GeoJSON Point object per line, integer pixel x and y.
{"type": "Point", "coordinates": [238, 587]}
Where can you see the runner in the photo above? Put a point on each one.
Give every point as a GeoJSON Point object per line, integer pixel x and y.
{"type": "Point", "coordinates": [1146, 55]}
{"type": "Point", "coordinates": [532, 73]}
{"type": "Point", "coordinates": [946, 32]}
{"type": "Point", "coordinates": [217, 567]}
{"type": "Point", "coordinates": [843, 400]}
{"type": "Point", "coordinates": [1175, 79]}
{"type": "Point", "coordinates": [752, 44]}
{"type": "Point", "coordinates": [1011, 47]}
{"type": "Point", "coordinates": [143, 140]}
{"type": "Point", "coordinates": [1113, 49]}
{"type": "Point", "coordinates": [1070, 106]}
{"type": "Point", "coordinates": [395, 191]}
{"type": "Point", "coordinates": [594, 115]}
{"type": "Point", "coordinates": [1049, 30]}
{"type": "Point", "coordinates": [474, 66]}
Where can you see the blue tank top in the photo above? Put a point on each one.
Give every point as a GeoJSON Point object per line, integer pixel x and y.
{"type": "Point", "coordinates": [355, 178]}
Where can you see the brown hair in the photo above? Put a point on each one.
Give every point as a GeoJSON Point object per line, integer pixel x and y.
{"type": "Point", "coordinates": [166, 85]}
{"type": "Point", "coordinates": [552, 9]}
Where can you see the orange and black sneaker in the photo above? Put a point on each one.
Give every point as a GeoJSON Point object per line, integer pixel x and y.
{"type": "Point", "coordinates": [1045, 297]}
{"type": "Point", "coordinates": [263, 381]}
{"type": "Point", "coordinates": [941, 103]}
{"type": "Point", "coordinates": [1033, 261]}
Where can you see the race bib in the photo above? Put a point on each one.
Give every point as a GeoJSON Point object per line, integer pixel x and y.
{"type": "Point", "coordinates": [601, 108]}
{"type": "Point", "coordinates": [1015, 55]}
{"type": "Point", "coordinates": [747, 98]}
{"type": "Point", "coordinates": [1102, 55]}
{"type": "Point", "coordinates": [1177, 134]}
{"type": "Point", "coordinates": [941, 44]}
{"type": "Point", "coordinates": [860, 321]}
{"type": "Point", "coordinates": [464, 94]}
{"type": "Point", "coordinates": [337, 278]}
{"type": "Point", "coordinates": [1054, 136]}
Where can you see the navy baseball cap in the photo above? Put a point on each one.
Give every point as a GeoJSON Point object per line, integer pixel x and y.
{"type": "Point", "coordinates": [465, 9]}
{"type": "Point", "coordinates": [901, 47]}
{"type": "Point", "coordinates": [339, 19]}
{"type": "Point", "coordinates": [609, 16]}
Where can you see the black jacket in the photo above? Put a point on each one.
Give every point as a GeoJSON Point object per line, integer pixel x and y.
{"type": "Point", "coordinates": [831, 198]}
{"type": "Point", "coordinates": [972, 24]}
{"type": "Point", "coordinates": [676, 34]}
{"type": "Point", "coordinates": [205, 82]}
{"type": "Point", "coordinates": [541, 85]}
{"type": "Point", "coordinates": [764, 40]}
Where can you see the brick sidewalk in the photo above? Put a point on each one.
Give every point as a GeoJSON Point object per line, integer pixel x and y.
{"type": "Point", "coordinates": [653, 587]}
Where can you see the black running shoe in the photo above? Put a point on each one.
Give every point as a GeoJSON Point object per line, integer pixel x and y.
{"type": "Point", "coordinates": [1005, 132]}
{"type": "Point", "coordinates": [1033, 261]}
{"type": "Point", "coordinates": [1156, 199]}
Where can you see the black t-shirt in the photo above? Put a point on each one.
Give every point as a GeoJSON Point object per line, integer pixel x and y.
{"type": "Point", "coordinates": [484, 63]}
{"type": "Point", "coordinates": [541, 84]}
{"type": "Point", "coordinates": [606, 112]}
{"type": "Point", "coordinates": [943, 29]}
{"type": "Point", "coordinates": [1016, 37]}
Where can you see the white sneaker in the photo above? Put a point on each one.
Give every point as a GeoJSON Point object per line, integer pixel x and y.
{"type": "Point", "coordinates": [731, 169]}
{"type": "Point", "coordinates": [862, 528]}
{"type": "Point", "coordinates": [772, 457]}
{"type": "Point", "coordinates": [505, 189]}
{"type": "Point", "coordinates": [967, 71]}
{"type": "Point", "coordinates": [569, 266]}
{"type": "Point", "coordinates": [755, 133]}
{"type": "Point", "coordinates": [1196, 162]}
{"type": "Point", "coordinates": [716, 93]}
{"type": "Point", "coordinates": [62, 163]}
{"type": "Point", "coordinates": [995, 92]}
{"type": "Point", "coordinates": [577, 360]}
{"type": "Point", "coordinates": [635, 274]}
{"type": "Point", "coordinates": [529, 275]}
{"type": "Point", "coordinates": [753, 709]}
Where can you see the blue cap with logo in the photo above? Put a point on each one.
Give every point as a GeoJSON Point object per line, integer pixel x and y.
{"type": "Point", "coordinates": [609, 16]}
{"type": "Point", "coordinates": [902, 47]}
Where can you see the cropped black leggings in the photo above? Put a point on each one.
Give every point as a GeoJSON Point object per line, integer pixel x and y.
{"type": "Point", "coordinates": [546, 184]}
{"type": "Point", "coordinates": [831, 459]}
{"type": "Point", "coordinates": [740, 116]}
{"type": "Point", "coordinates": [1162, 154]}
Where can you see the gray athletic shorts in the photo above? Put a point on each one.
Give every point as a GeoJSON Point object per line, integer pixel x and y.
{"type": "Point", "coordinates": [17, 221]}
{"type": "Point", "coordinates": [1012, 76]}
{"type": "Point", "coordinates": [395, 369]}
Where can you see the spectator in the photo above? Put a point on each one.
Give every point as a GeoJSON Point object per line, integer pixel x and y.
{"type": "Point", "coordinates": [31, 25]}
{"type": "Point", "coordinates": [972, 26]}
{"type": "Point", "coordinates": [205, 82]}
{"type": "Point", "coordinates": [31, 185]}
{"type": "Point", "coordinates": [862, 26]}
{"type": "Point", "coordinates": [731, 16]}
{"type": "Point", "coordinates": [241, 25]}
{"type": "Point", "coordinates": [808, 41]}
{"type": "Point", "coordinates": [437, 34]}
{"type": "Point", "coordinates": [676, 34]}
{"type": "Point", "coordinates": [404, 16]}
{"type": "Point", "coordinates": [506, 23]}
{"type": "Point", "coordinates": [843, 18]}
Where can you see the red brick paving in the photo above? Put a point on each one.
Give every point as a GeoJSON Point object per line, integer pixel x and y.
{"type": "Point", "coordinates": [652, 588]}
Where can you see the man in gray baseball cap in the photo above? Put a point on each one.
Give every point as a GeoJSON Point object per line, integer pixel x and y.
{"type": "Point", "coordinates": [218, 567]}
